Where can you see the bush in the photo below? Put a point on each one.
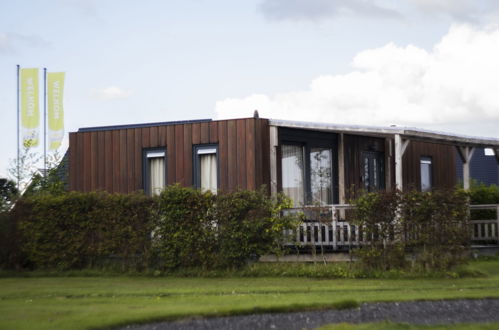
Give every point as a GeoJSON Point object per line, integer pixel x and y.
{"type": "Point", "coordinates": [179, 229]}
{"type": "Point", "coordinates": [77, 230]}
{"type": "Point", "coordinates": [196, 229]}
{"type": "Point", "coordinates": [248, 224]}
{"type": "Point", "coordinates": [481, 194]}
{"type": "Point", "coordinates": [432, 225]}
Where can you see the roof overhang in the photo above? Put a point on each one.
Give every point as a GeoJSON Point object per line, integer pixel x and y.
{"type": "Point", "coordinates": [406, 132]}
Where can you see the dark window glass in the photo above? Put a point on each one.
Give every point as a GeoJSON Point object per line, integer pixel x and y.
{"type": "Point", "coordinates": [373, 170]}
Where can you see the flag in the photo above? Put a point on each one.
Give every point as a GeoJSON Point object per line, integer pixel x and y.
{"type": "Point", "coordinates": [30, 114]}
{"type": "Point", "coordinates": [55, 91]}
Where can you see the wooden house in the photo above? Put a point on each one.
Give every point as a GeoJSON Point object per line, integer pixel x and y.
{"type": "Point", "coordinates": [310, 162]}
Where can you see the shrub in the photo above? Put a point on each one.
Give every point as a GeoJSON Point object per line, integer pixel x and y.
{"type": "Point", "coordinates": [183, 235]}
{"type": "Point", "coordinates": [196, 229]}
{"type": "Point", "coordinates": [179, 229]}
{"type": "Point", "coordinates": [77, 230]}
{"type": "Point", "coordinates": [376, 215]}
{"type": "Point", "coordinates": [432, 225]}
{"type": "Point", "coordinates": [248, 224]}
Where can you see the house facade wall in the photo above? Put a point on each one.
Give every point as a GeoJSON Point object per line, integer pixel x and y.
{"type": "Point", "coordinates": [443, 164]}
{"type": "Point", "coordinates": [112, 159]}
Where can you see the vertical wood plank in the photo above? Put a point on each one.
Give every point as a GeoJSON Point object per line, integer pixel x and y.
{"type": "Point", "coordinates": [87, 161]}
{"type": "Point", "coordinates": [131, 175]}
{"type": "Point", "coordinates": [223, 155]}
{"type": "Point", "coordinates": [241, 153]}
{"type": "Point", "coordinates": [196, 133]}
{"type": "Point", "coordinates": [79, 161]}
{"type": "Point", "coordinates": [188, 154]}
{"type": "Point", "coordinates": [94, 161]}
{"type": "Point", "coordinates": [138, 159]}
{"type": "Point", "coordinates": [154, 134]}
{"type": "Point", "coordinates": [179, 154]}
{"type": "Point", "coordinates": [162, 136]}
{"type": "Point", "coordinates": [205, 133]}
{"type": "Point", "coordinates": [266, 152]}
{"type": "Point", "coordinates": [101, 159]}
{"type": "Point", "coordinates": [258, 153]}
{"type": "Point", "coordinates": [146, 137]}
{"type": "Point", "coordinates": [232, 154]}
{"type": "Point", "coordinates": [213, 128]}
{"type": "Point", "coordinates": [123, 162]}
{"type": "Point", "coordinates": [109, 161]}
{"type": "Point", "coordinates": [170, 154]}
{"type": "Point", "coordinates": [250, 154]}
{"type": "Point", "coordinates": [116, 161]}
{"type": "Point", "coordinates": [73, 152]}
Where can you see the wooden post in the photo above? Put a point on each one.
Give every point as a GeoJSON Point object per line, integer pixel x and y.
{"type": "Point", "coordinates": [341, 168]}
{"type": "Point", "coordinates": [273, 160]}
{"type": "Point", "coordinates": [466, 153]}
{"type": "Point", "coordinates": [400, 147]}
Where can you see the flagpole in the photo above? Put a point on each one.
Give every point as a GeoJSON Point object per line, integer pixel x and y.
{"type": "Point", "coordinates": [44, 122]}
{"type": "Point", "coordinates": [18, 153]}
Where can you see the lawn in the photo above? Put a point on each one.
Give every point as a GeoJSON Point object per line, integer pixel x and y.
{"type": "Point", "coordinates": [100, 302]}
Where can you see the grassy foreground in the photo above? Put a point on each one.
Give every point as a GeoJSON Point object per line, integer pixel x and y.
{"type": "Point", "coordinates": [100, 302]}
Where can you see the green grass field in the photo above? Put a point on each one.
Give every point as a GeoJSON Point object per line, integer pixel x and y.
{"type": "Point", "coordinates": [100, 302]}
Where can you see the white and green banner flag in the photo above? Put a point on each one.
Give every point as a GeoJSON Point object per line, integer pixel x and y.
{"type": "Point", "coordinates": [30, 113]}
{"type": "Point", "coordinates": [55, 92]}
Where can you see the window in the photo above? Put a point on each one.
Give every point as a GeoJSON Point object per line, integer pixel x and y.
{"type": "Point", "coordinates": [307, 159]}
{"type": "Point", "coordinates": [373, 170]}
{"type": "Point", "coordinates": [426, 175]}
{"type": "Point", "coordinates": [154, 170]}
{"type": "Point", "coordinates": [293, 172]}
{"type": "Point", "coordinates": [321, 174]}
{"type": "Point", "coordinates": [206, 167]}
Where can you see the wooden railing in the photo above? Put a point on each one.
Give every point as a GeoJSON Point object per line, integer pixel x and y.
{"type": "Point", "coordinates": [334, 232]}
{"type": "Point", "coordinates": [485, 231]}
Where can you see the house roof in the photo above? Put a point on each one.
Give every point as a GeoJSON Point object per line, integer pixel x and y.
{"type": "Point", "coordinates": [407, 132]}
{"type": "Point", "coordinates": [163, 123]}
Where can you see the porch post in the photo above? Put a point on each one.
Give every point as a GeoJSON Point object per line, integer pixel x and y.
{"type": "Point", "coordinates": [400, 147]}
{"type": "Point", "coordinates": [341, 168]}
{"type": "Point", "coordinates": [466, 153]}
{"type": "Point", "coordinates": [273, 160]}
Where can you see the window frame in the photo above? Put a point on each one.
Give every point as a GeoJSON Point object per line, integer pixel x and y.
{"type": "Point", "coordinates": [310, 140]}
{"type": "Point", "coordinates": [196, 168]}
{"type": "Point", "coordinates": [146, 171]}
{"type": "Point", "coordinates": [429, 161]}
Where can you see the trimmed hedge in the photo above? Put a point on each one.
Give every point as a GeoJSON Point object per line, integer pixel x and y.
{"type": "Point", "coordinates": [181, 228]}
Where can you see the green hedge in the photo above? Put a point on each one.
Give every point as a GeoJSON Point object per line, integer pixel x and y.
{"type": "Point", "coordinates": [432, 226]}
{"type": "Point", "coordinates": [181, 228]}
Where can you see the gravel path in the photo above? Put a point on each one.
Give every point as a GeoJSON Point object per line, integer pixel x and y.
{"type": "Point", "coordinates": [416, 312]}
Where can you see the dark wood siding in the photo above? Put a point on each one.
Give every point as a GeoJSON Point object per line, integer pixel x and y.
{"type": "Point", "coordinates": [111, 160]}
{"type": "Point", "coordinates": [353, 147]}
{"type": "Point", "coordinates": [443, 165]}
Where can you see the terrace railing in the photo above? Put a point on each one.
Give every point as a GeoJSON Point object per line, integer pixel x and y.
{"type": "Point", "coordinates": [327, 226]}
{"type": "Point", "coordinates": [485, 231]}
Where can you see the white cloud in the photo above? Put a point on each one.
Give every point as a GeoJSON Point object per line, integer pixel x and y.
{"type": "Point", "coordinates": [110, 93]}
{"type": "Point", "coordinates": [452, 87]}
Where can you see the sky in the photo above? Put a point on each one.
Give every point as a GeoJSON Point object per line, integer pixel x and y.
{"type": "Point", "coordinates": [431, 64]}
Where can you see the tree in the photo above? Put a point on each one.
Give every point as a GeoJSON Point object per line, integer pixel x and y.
{"type": "Point", "coordinates": [8, 194]}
